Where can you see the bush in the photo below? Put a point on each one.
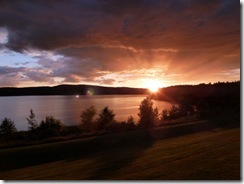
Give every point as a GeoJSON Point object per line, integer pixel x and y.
{"type": "Point", "coordinates": [50, 127]}
{"type": "Point", "coordinates": [130, 123]}
{"type": "Point", "coordinates": [7, 127]}
{"type": "Point", "coordinates": [165, 115]}
{"type": "Point", "coordinates": [179, 111]}
{"type": "Point", "coordinates": [120, 127]}
{"type": "Point", "coordinates": [130, 120]}
{"type": "Point", "coordinates": [71, 130]}
{"type": "Point", "coordinates": [174, 112]}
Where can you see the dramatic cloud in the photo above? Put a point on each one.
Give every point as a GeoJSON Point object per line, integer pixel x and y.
{"type": "Point", "coordinates": [105, 41]}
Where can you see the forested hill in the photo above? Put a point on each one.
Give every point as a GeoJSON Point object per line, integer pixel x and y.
{"type": "Point", "coordinates": [172, 93]}
{"type": "Point", "coordinates": [221, 92]}
{"type": "Point", "coordinates": [70, 90]}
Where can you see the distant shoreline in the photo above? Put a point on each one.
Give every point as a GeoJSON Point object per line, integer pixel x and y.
{"type": "Point", "coordinates": [71, 90]}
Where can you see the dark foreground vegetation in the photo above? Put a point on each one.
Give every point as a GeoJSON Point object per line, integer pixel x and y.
{"type": "Point", "coordinates": [210, 100]}
{"type": "Point", "coordinates": [102, 148]}
{"type": "Point", "coordinates": [137, 155]}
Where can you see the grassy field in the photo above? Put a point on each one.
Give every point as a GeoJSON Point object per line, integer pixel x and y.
{"type": "Point", "coordinates": [212, 154]}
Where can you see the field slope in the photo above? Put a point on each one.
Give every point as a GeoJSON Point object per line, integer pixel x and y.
{"type": "Point", "coordinates": [208, 155]}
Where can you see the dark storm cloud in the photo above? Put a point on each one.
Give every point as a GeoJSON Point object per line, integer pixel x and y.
{"type": "Point", "coordinates": [110, 35]}
{"type": "Point", "coordinates": [171, 24]}
{"type": "Point", "coordinates": [45, 25]}
{"type": "Point", "coordinates": [4, 70]}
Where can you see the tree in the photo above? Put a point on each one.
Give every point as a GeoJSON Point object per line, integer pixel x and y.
{"type": "Point", "coordinates": [50, 127]}
{"type": "Point", "coordinates": [156, 115]}
{"type": "Point", "coordinates": [32, 121]}
{"type": "Point", "coordinates": [87, 117]}
{"type": "Point", "coordinates": [7, 127]}
{"type": "Point", "coordinates": [106, 116]}
{"type": "Point", "coordinates": [147, 114]}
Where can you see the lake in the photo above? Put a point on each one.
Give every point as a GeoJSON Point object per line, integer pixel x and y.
{"type": "Point", "coordinates": [68, 108]}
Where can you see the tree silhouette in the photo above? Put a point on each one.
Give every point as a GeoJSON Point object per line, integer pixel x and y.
{"type": "Point", "coordinates": [87, 117]}
{"type": "Point", "coordinates": [106, 116]}
{"type": "Point", "coordinates": [147, 114]}
{"type": "Point", "coordinates": [33, 124]}
{"type": "Point", "coordinates": [50, 127]}
{"type": "Point", "coordinates": [156, 115]}
{"type": "Point", "coordinates": [7, 127]}
{"type": "Point", "coordinates": [130, 120]}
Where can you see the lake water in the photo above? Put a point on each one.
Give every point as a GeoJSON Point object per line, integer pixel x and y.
{"type": "Point", "coordinates": [68, 108]}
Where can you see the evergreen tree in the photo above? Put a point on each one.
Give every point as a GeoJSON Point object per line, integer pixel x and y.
{"type": "Point", "coordinates": [7, 127]}
{"type": "Point", "coordinates": [32, 121]}
{"type": "Point", "coordinates": [106, 116]}
{"type": "Point", "coordinates": [147, 114]}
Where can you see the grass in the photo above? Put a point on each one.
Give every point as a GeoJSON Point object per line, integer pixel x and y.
{"type": "Point", "coordinates": [157, 154]}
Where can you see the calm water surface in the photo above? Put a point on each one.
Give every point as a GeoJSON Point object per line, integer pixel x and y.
{"type": "Point", "coordinates": [68, 108]}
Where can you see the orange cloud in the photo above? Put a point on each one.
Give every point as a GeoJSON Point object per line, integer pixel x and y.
{"type": "Point", "coordinates": [192, 41]}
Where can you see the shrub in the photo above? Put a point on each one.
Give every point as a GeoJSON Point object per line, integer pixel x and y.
{"type": "Point", "coordinates": [130, 123]}
{"type": "Point", "coordinates": [71, 130]}
{"type": "Point", "coordinates": [174, 112]}
{"type": "Point", "coordinates": [120, 127]}
{"type": "Point", "coordinates": [50, 127]}
{"type": "Point", "coordinates": [165, 115]}
{"type": "Point", "coordinates": [130, 120]}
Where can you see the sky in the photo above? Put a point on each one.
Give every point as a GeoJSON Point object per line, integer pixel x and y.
{"type": "Point", "coordinates": [119, 42]}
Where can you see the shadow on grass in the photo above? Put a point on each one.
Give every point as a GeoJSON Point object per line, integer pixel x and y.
{"type": "Point", "coordinates": [122, 151]}
{"type": "Point", "coordinates": [113, 152]}
{"type": "Point", "coordinates": [112, 145]}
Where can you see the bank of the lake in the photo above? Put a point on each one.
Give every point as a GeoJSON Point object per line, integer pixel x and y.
{"type": "Point", "coordinates": [68, 108]}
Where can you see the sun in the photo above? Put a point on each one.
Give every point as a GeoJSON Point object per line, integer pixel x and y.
{"type": "Point", "coordinates": [153, 85]}
{"type": "Point", "coordinates": [153, 88]}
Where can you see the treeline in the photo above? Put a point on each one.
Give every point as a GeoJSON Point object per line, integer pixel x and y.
{"type": "Point", "coordinates": [70, 90]}
{"type": "Point", "coordinates": [207, 100]}
{"type": "Point", "coordinates": [91, 122]}
{"type": "Point", "coordinates": [200, 91]}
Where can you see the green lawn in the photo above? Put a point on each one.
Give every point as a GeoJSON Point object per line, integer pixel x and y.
{"type": "Point", "coordinates": [207, 155]}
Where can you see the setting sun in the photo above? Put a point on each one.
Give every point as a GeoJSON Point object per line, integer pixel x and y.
{"type": "Point", "coordinates": [153, 85]}
{"type": "Point", "coordinates": [153, 88]}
